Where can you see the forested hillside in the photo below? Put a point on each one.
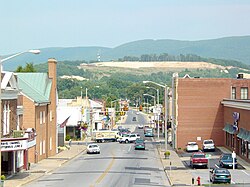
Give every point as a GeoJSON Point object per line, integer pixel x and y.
{"type": "Point", "coordinates": [229, 48]}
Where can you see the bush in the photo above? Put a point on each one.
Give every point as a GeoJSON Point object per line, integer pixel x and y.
{"type": "Point", "coordinates": [3, 177]}
{"type": "Point", "coordinates": [167, 154]}
{"type": "Point", "coordinates": [67, 138]}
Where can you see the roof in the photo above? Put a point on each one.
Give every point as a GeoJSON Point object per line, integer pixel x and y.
{"type": "Point", "coordinates": [36, 86]}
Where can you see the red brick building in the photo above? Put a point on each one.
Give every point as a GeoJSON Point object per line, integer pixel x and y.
{"type": "Point", "coordinates": [199, 111]}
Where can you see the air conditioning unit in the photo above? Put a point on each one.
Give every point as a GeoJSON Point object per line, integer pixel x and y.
{"type": "Point", "coordinates": [240, 76]}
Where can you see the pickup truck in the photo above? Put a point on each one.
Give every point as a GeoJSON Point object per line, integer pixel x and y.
{"type": "Point", "coordinates": [198, 159]}
{"type": "Point", "coordinates": [128, 138]}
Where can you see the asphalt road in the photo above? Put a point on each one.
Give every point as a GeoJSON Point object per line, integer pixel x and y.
{"type": "Point", "coordinates": [118, 165]}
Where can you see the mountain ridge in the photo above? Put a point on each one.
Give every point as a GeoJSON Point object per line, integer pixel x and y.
{"type": "Point", "coordinates": [234, 48]}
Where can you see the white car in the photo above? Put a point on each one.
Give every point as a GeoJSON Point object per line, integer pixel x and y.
{"type": "Point", "coordinates": [140, 126]}
{"type": "Point", "coordinates": [93, 148]}
{"type": "Point", "coordinates": [208, 145]}
{"type": "Point", "coordinates": [192, 146]}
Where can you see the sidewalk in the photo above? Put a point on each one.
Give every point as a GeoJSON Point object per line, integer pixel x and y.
{"type": "Point", "coordinates": [45, 166]}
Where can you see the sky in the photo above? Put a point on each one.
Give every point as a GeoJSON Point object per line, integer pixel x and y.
{"type": "Point", "coordinates": [36, 24]}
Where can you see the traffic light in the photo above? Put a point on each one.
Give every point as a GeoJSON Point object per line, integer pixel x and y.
{"type": "Point", "coordinates": [106, 112]}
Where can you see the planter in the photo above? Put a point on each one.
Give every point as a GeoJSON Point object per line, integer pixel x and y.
{"type": "Point", "coordinates": [2, 183]}
{"type": "Point", "coordinates": [167, 154]}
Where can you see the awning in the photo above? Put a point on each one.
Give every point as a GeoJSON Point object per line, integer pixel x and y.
{"type": "Point", "coordinates": [229, 128]}
{"type": "Point", "coordinates": [244, 134]}
{"type": "Point", "coordinates": [241, 133]}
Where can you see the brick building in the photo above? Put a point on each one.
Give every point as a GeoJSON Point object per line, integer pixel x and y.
{"type": "Point", "coordinates": [38, 97]}
{"type": "Point", "coordinates": [200, 111]}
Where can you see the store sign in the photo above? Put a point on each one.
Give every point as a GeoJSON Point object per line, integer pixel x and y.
{"type": "Point", "coordinates": [13, 145]}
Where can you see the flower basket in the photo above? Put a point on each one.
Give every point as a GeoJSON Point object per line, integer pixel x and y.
{"type": "Point", "coordinates": [167, 154]}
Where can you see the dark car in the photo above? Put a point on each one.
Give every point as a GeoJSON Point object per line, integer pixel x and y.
{"type": "Point", "coordinates": [226, 161]}
{"type": "Point", "coordinates": [139, 144]}
{"type": "Point", "coordinates": [134, 119]}
{"type": "Point", "coordinates": [220, 175]}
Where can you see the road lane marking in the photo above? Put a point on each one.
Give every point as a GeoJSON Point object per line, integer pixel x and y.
{"type": "Point", "coordinates": [106, 171]}
{"type": "Point", "coordinates": [129, 149]}
{"type": "Point", "coordinates": [245, 172]}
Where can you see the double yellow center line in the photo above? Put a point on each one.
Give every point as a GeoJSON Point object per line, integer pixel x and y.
{"type": "Point", "coordinates": [98, 181]}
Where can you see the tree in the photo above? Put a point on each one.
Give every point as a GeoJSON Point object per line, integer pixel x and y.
{"type": "Point", "coordinates": [28, 68]}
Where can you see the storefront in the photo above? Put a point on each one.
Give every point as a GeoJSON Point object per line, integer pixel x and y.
{"type": "Point", "coordinates": [237, 127]}
{"type": "Point", "coordinates": [15, 152]}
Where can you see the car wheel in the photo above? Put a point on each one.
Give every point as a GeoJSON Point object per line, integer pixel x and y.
{"type": "Point", "coordinates": [126, 141]}
{"type": "Point", "coordinates": [102, 141]}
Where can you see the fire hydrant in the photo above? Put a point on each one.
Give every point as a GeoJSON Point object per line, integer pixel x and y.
{"type": "Point", "coordinates": [198, 180]}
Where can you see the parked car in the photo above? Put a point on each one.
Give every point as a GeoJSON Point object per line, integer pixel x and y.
{"type": "Point", "coordinates": [198, 159]}
{"type": "Point", "coordinates": [134, 119]}
{"type": "Point", "coordinates": [139, 144]}
{"type": "Point", "coordinates": [208, 145]}
{"type": "Point", "coordinates": [93, 148]}
{"type": "Point", "coordinates": [226, 161]}
{"type": "Point", "coordinates": [220, 175]}
{"type": "Point", "coordinates": [192, 146]}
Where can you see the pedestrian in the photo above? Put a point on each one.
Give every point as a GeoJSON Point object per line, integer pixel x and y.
{"type": "Point", "coordinates": [70, 142]}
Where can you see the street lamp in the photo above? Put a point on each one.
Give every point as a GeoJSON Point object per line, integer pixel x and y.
{"type": "Point", "coordinates": [150, 96]}
{"type": "Point", "coordinates": [166, 95]}
{"type": "Point", "coordinates": [1, 63]}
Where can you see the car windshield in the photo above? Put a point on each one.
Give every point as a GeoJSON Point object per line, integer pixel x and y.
{"type": "Point", "coordinates": [198, 156]}
{"type": "Point", "coordinates": [139, 141]}
{"type": "Point", "coordinates": [192, 143]}
{"type": "Point", "coordinates": [227, 157]}
{"type": "Point", "coordinates": [93, 146]}
{"type": "Point", "coordinates": [221, 171]}
{"type": "Point", "coordinates": [208, 142]}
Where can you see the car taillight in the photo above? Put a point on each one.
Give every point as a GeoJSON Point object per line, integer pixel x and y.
{"type": "Point", "coordinates": [229, 177]}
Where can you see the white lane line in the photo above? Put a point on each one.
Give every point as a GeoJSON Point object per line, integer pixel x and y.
{"type": "Point", "coordinates": [129, 148]}
{"type": "Point", "coordinates": [216, 165]}
{"type": "Point", "coordinates": [245, 172]}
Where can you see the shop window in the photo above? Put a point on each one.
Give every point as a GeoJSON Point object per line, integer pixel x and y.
{"type": "Point", "coordinates": [233, 96]}
{"type": "Point", "coordinates": [243, 93]}
{"type": "Point", "coordinates": [243, 148]}
{"type": "Point", "coordinates": [249, 150]}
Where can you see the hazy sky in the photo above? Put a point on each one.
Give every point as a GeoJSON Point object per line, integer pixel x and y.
{"type": "Point", "coordinates": [28, 24]}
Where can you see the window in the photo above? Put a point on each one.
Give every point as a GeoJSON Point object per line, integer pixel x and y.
{"type": "Point", "coordinates": [6, 119]}
{"type": "Point", "coordinates": [41, 118]}
{"type": "Point", "coordinates": [233, 96]}
{"type": "Point", "coordinates": [244, 93]}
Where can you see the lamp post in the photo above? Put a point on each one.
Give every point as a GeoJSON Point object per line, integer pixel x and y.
{"type": "Point", "coordinates": [1, 63]}
{"type": "Point", "coordinates": [158, 117]}
{"type": "Point", "coordinates": [166, 95]}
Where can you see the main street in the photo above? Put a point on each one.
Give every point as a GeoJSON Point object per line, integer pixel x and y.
{"type": "Point", "coordinates": [117, 165]}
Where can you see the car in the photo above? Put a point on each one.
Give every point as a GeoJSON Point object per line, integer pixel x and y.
{"type": "Point", "coordinates": [134, 119]}
{"type": "Point", "coordinates": [198, 159]}
{"type": "Point", "coordinates": [208, 145]}
{"type": "Point", "coordinates": [226, 161]}
{"type": "Point", "coordinates": [128, 138]}
{"type": "Point", "coordinates": [140, 126]}
{"type": "Point", "coordinates": [220, 175]}
{"type": "Point", "coordinates": [139, 144]}
{"type": "Point", "coordinates": [149, 132]}
{"type": "Point", "coordinates": [192, 146]}
{"type": "Point", "coordinates": [93, 148]}
{"type": "Point", "coordinates": [137, 113]}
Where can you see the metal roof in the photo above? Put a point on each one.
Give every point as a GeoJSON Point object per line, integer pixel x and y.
{"type": "Point", "coordinates": [36, 86]}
